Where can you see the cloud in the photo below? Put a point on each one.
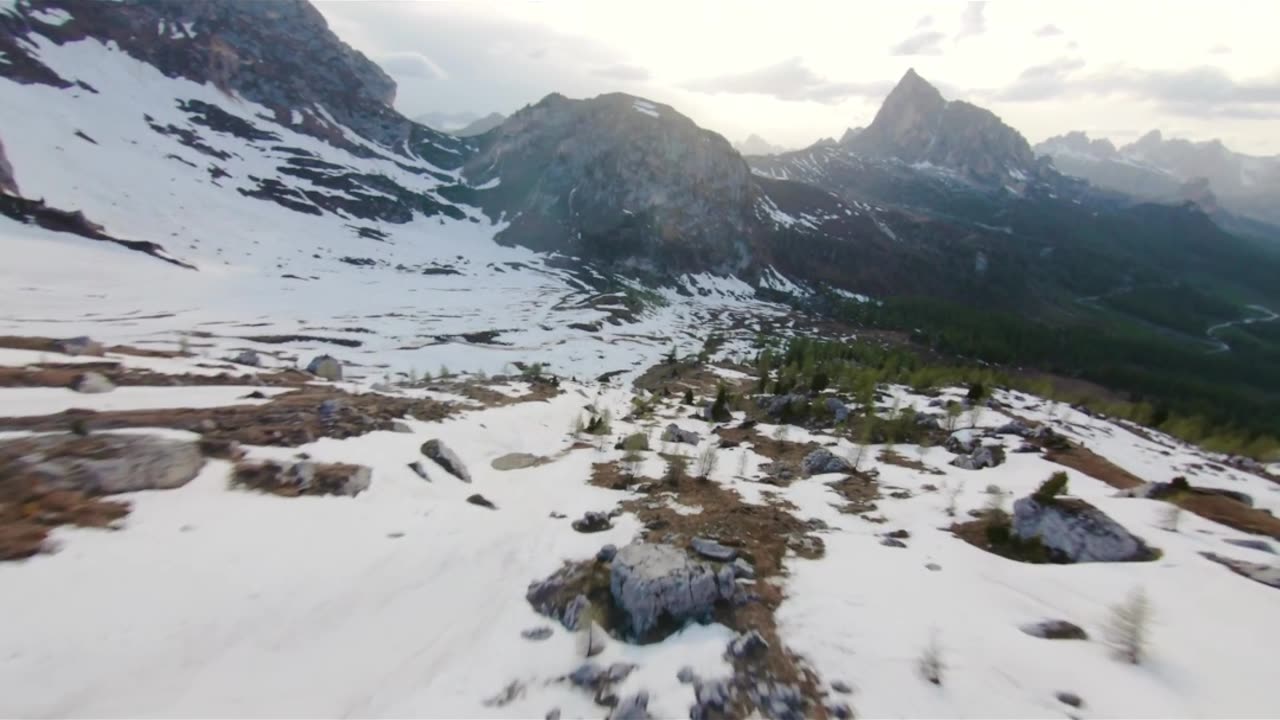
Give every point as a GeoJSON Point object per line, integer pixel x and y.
{"type": "Point", "coordinates": [1049, 30]}
{"type": "Point", "coordinates": [973, 21]}
{"type": "Point", "coordinates": [622, 72]}
{"type": "Point", "coordinates": [1040, 82]}
{"type": "Point", "coordinates": [924, 22]}
{"type": "Point", "coordinates": [411, 64]}
{"type": "Point", "coordinates": [925, 43]}
{"type": "Point", "coordinates": [789, 80]}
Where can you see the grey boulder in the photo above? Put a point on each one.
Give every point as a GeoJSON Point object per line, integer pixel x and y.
{"type": "Point", "coordinates": [106, 463]}
{"type": "Point", "coordinates": [1076, 531]}
{"type": "Point", "coordinates": [248, 357]}
{"type": "Point", "coordinates": [325, 366]}
{"type": "Point", "coordinates": [985, 456]}
{"type": "Point", "coordinates": [822, 461]}
{"type": "Point", "coordinates": [82, 345]}
{"type": "Point", "coordinates": [442, 455]}
{"type": "Point", "coordinates": [649, 582]}
{"type": "Point", "coordinates": [673, 433]}
{"type": "Point", "coordinates": [712, 550]}
{"type": "Point", "coordinates": [92, 383]}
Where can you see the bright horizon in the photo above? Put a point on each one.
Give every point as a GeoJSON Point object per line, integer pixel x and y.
{"type": "Point", "coordinates": [808, 70]}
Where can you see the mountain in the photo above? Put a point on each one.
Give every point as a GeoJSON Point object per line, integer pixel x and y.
{"type": "Point", "coordinates": [446, 121]}
{"type": "Point", "coordinates": [1157, 168]}
{"type": "Point", "coordinates": [916, 125]}
{"type": "Point", "coordinates": [756, 145]}
{"type": "Point", "coordinates": [479, 126]}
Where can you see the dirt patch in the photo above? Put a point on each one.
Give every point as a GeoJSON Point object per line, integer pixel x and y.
{"type": "Point", "coordinates": [992, 533]}
{"type": "Point", "coordinates": [296, 479]}
{"type": "Point", "coordinates": [860, 490]}
{"type": "Point", "coordinates": [541, 390]}
{"type": "Point", "coordinates": [675, 378]}
{"type": "Point", "coordinates": [893, 458]}
{"type": "Point", "coordinates": [1094, 465]}
{"type": "Point", "coordinates": [786, 458]}
{"type": "Point", "coordinates": [1229, 512]}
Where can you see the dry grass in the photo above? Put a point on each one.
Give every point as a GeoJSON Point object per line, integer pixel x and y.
{"type": "Point", "coordinates": [29, 510]}
{"type": "Point", "coordinates": [893, 457]}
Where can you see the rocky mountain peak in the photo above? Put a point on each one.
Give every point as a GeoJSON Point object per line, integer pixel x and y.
{"type": "Point", "coordinates": [917, 125]}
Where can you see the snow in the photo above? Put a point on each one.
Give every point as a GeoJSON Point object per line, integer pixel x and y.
{"type": "Point", "coordinates": [645, 107]}
{"type": "Point", "coordinates": [51, 16]}
{"type": "Point", "coordinates": [490, 184]}
{"type": "Point", "coordinates": [18, 402]}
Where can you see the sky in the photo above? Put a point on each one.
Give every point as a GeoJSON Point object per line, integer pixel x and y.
{"type": "Point", "coordinates": [796, 71]}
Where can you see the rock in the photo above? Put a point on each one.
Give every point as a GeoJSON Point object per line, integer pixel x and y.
{"type": "Point", "coordinates": [1026, 447]}
{"type": "Point", "coordinates": [929, 421]}
{"type": "Point", "coordinates": [839, 710]}
{"type": "Point", "coordinates": [606, 553]}
{"type": "Point", "coordinates": [482, 501]}
{"type": "Point", "coordinates": [419, 469]}
{"type": "Point", "coordinates": [776, 405]}
{"type": "Point", "coordinates": [329, 411]}
{"type": "Point", "coordinates": [982, 457]}
{"type": "Point", "coordinates": [401, 426]}
{"type": "Point", "coordinates": [1014, 427]}
{"type": "Point", "coordinates": [552, 714]}
{"type": "Point", "coordinates": [1069, 698]}
{"type": "Point", "coordinates": [106, 463]}
{"type": "Point", "coordinates": [1262, 545]}
{"type": "Point", "coordinates": [713, 550]}
{"type": "Point", "coordinates": [1054, 630]}
{"type": "Point", "coordinates": [710, 697]}
{"type": "Point", "coordinates": [1076, 531]}
{"type": "Point", "coordinates": [1258, 572]}
{"type": "Point", "coordinates": [900, 534]}
{"type": "Point", "coordinates": [933, 566]}
{"type": "Point", "coordinates": [254, 395]}
{"type": "Point", "coordinates": [841, 687]}
{"type": "Point", "coordinates": [573, 613]}
{"type": "Point", "coordinates": [686, 675]}
{"type": "Point", "coordinates": [1164, 490]}
{"type": "Point", "coordinates": [893, 542]}
{"type": "Point", "coordinates": [81, 345]}
{"type": "Point", "coordinates": [539, 633]}
{"type": "Point", "coordinates": [648, 581]}
{"type": "Point", "coordinates": [837, 408]}
{"type": "Point", "coordinates": [304, 478]}
{"type": "Point", "coordinates": [962, 442]}
{"type": "Point", "coordinates": [632, 707]}
{"type": "Point", "coordinates": [442, 455]}
{"type": "Point", "coordinates": [748, 644]}
{"type": "Point", "coordinates": [592, 640]}
{"type": "Point", "coordinates": [325, 366]}
{"type": "Point", "coordinates": [673, 433]}
{"type": "Point", "coordinates": [586, 675]}
{"type": "Point", "coordinates": [822, 461]}
{"type": "Point", "coordinates": [592, 522]}
{"type": "Point", "coordinates": [92, 382]}
{"type": "Point", "coordinates": [248, 357]}
{"type": "Point", "coordinates": [743, 569]}
{"type": "Point", "coordinates": [517, 461]}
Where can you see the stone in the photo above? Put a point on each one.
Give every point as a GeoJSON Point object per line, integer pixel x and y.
{"type": "Point", "coordinates": [1054, 630]}
{"type": "Point", "coordinates": [592, 640]}
{"type": "Point", "coordinates": [482, 501]}
{"type": "Point", "coordinates": [743, 569]}
{"type": "Point", "coordinates": [592, 522]}
{"type": "Point", "coordinates": [709, 696]}
{"type": "Point", "coordinates": [673, 433]}
{"type": "Point", "coordinates": [619, 671]}
{"type": "Point", "coordinates": [1026, 447]}
{"type": "Point", "coordinates": [325, 366]}
{"type": "Point", "coordinates": [573, 613]}
{"type": "Point", "coordinates": [839, 411]}
{"type": "Point", "coordinates": [1262, 545]}
{"type": "Point", "coordinates": [984, 456]}
{"type": "Point", "coordinates": [606, 553]}
{"type": "Point", "coordinates": [248, 357]}
{"type": "Point", "coordinates": [419, 469]}
{"type": "Point", "coordinates": [962, 442]}
{"type": "Point", "coordinates": [1014, 427]}
{"type": "Point", "coordinates": [517, 461]}
{"type": "Point", "coordinates": [552, 714]}
{"type": "Point", "coordinates": [539, 633]}
{"type": "Point", "coordinates": [632, 707]}
{"type": "Point", "coordinates": [839, 710]}
{"type": "Point", "coordinates": [933, 566]}
{"type": "Point", "coordinates": [442, 455]}
{"type": "Point", "coordinates": [1075, 531]}
{"type": "Point", "coordinates": [329, 411]}
{"type": "Point", "coordinates": [382, 387]}
{"type": "Point", "coordinates": [893, 542]}
{"type": "Point", "coordinates": [1069, 698]}
{"type": "Point", "coordinates": [649, 581]}
{"type": "Point", "coordinates": [774, 406]}
{"type": "Point", "coordinates": [686, 675]}
{"type": "Point", "coordinates": [841, 687]}
{"type": "Point", "coordinates": [712, 550]}
{"type": "Point", "coordinates": [82, 345]}
{"type": "Point", "coordinates": [822, 461]}
{"type": "Point", "coordinates": [401, 426]}
{"type": "Point", "coordinates": [1164, 490]}
{"type": "Point", "coordinates": [748, 644]}
{"type": "Point", "coordinates": [586, 675]}
{"type": "Point", "coordinates": [1258, 572]}
{"type": "Point", "coordinates": [92, 383]}
{"type": "Point", "coordinates": [107, 463]}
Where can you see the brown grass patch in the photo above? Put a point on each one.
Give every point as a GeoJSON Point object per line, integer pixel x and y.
{"type": "Point", "coordinates": [29, 510]}
{"type": "Point", "coordinates": [1094, 465]}
{"type": "Point", "coordinates": [540, 391]}
{"type": "Point", "coordinates": [861, 490]}
{"type": "Point", "coordinates": [1229, 512]}
{"type": "Point", "coordinates": [892, 457]}
{"type": "Point", "coordinates": [49, 345]}
{"type": "Point", "coordinates": [62, 375]}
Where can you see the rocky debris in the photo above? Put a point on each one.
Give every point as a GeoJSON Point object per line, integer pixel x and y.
{"type": "Point", "coordinates": [823, 461]}
{"type": "Point", "coordinates": [578, 608]}
{"type": "Point", "coordinates": [248, 357]}
{"type": "Point", "coordinates": [962, 442]}
{"type": "Point", "coordinates": [103, 463]}
{"type": "Point", "coordinates": [748, 644]}
{"type": "Point", "coordinates": [673, 433]}
{"type": "Point", "coordinates": [251, 395]}
{"type": "Point", "coordinates": [1265, 574]}
{"type": "Point", "coordinates": [1074, 531]}
{"type": "Point", "coordinates": [775, 405]}
{"type": "Point", "coordinates": [839, 411]}
{"type": "Point", "coordinates": [839, 710]}
{"type": "Point", "coordinates": [929, 421]}
{"type": "Point", "coordinates": [1027, 447]}
{"type": "Point", "coordinates": [743, 569]}
{"type": "Point", "coordinates": [650, 582]}
{"type": "Point", "coordinates": [442, 455]}
{"type": "Point", "coordinates": [778, 701]}
{"type": "Point", "coordinates": [82, 345]}
{"type": "Point", "coordinates": [1014, 427]}
{"type": "Point", "coordinates": [712, 550]}
{"type": "Point", "coordinates": [482, 501]}
{"type": "Point", "coordinates": [552, 714]}
{"type": "Point", "coordinates": [325, 366]}
{"type": "Point", "coordinates": [893, 542]}
{"type": "Point", "coordinates": [539, 633]}
{"type": "Point", "coordinates": [420, 470]}
{"type": "Point", "coordinates": [512, 691]}
{"type": "Point", "coordinates": [933, 566]}
{"type": "Point", "coordinates": [1054, 630]}
{"type": "Point", "coordinates": [329, 411]}
{"type": "Point", "coordinates": [606, 553]}
{"type": "Point", "coordinates": [1262, 545]}
{"type": "Point", "coordinates": [302, 478]}
{"type": "Point", "coordinates": [1069, 698]}
{"type": "Point", "coordinates": [401, 426]}
{"type": "Point", "coordinates": [985, 456]}
{"type": "Point", "coordinates": [92, 382]}
{"type": "Point", "coordinates": [711, 699]}
{"type": "Point", "coordinates": [632, 707]}
{"type": "Point", "coordinates": [592, 522]}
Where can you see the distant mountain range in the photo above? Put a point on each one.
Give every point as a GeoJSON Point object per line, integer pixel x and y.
{"type": "Point", "coordinates": [756, 145]}
{"type": "Point", "coordinates": [461, 124]}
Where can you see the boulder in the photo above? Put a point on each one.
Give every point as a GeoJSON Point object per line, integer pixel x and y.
{"type": "Point", "coordinates": [711, 698]}
{"type": "Point", "coordinates": [1054, 630]}
{"type": "Point", "coordinates": [325, 366]}
{"type": "Point", "coordinates": [538, 633]}
{"type": "Point", "coordinates": [632, 707]}
{"type": "Point", "coordinates": [685, 675]}
{"type": "Point", "coordinates": [92, 382]}
{"type": "Point", "coordinates": [984, 456]}
{"type": "Point", "coordinates": [713, 550]}
{"type": "Point", "coordinates": [592, 522]}
{"type": "Point", "coordinates": [962, 442]}
{"type": "Point", "coordinates": [82, 345]}
{"type": "Point", "coordinates": [1069, 698]}
{"type": "Point", "coordinates": [1258, 572]}
{"type": "Point", "coordinates": [1075, 531]}
{"type": "Point", "coordinates": [893, 542]}
{"type": "Point", "coordinates": [1014, 427]}
{"type": "Point", "coordinates": [673, 433]}
{"type": "Point", "coordinates": [401, 426]}
{"type": "Point", "coordinates": [650, 582]}
{"type": "Point", "coordinates": [442, 455]}
{"type": "Point", "coordinates": [482, 501]}
{"type": "Point", "coordinates": [822, 461]}
{"type": "Point", "coordinates": [1251, 544]}
{"type": "Point", "coordinates": [248, 357]}
{"type": "Point", "coordinates": [775, 405]}
{"type": "Point", "coordinates": [420, 470]}
{"type": "Point", "coordinates": [837, 408]}
{"type": "Point", "coordinates": [606, 553]}
{"type": "Point", "coordinates": [743, 569]}
{"type": "Point", "coordinates": [107, 463]}
{"type": "Point", "coordinates": [303, 478]}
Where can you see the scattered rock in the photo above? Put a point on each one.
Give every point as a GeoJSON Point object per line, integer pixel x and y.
{"type": "Point", "coordinates": [513, 690]}
{"type": "Point", "coordinates": [539, 633]}
{"type": "Point", "coordinates": [711, 698]}
{"type": "Point", "coordinates": [962, 442]}
{"type": "Point", "coordinates": [1069, 698]}
{"type": "Point", "coordinates": [893, 542]}
{"type": "Point", "coordinates": [673, 433]}
{"type": "Point", "coordinates": [633, 707]}
{"type": "Point", "coordinates": [419, 469]}
{"type": "Point", "coordinates": [303, 478]}
{"type": "Point", "coordinates": [446, 458]}
{"type": "Point", "coordinates": [686, 675]}
{"type": "Point", "coordinates": [748, 644]}
{"type": "Point", "coordinates": [586, 675]}
{"type": "Point", "coordinates": [482, 501]}
{"type": "Point", "coordinates": [713, 550]}
{"type": "Point", "coordinates": [1054, 630]}
{"type": "Point", "coordinates": [649, 581]}
{"type": "Point", "coordinates": [841, 687]}
{"type": "Point", "coordinates": [822, 461]}
{"type": "Point", "coordinates": [592, 522]}
{"type": "Point", "coordinates": [1014, 427]}
{"type": "Point", "coordinates": [1165, 490]}
{"type": "Point", "coordinates": [1262, 545]}
{"type": "Point", "coordinates": [607, 553]}
{"type": "Point", "coordinates": [325, 366]}
{"type": "Point", "coordinates": [553, 714]}
{"type": "Point", "coordinates": [839, 710]}
{"type": "Point", "coordinates": [106, 463]}
{"type": "Point", "coordinates": [248, 357]}
{"type": "Point", "coordinates": [92, 382]}
{"type": "Point", "coordinates": [82, 345]}
{"type": "Point", "coordinates": [401, 426]}
{"type": "Point", "coordinates": [254, 395]}
{"type": "Point", "coordinates": [1027, 447]}
{"type": "Point", "coordinates": [984, 456]}
{"type": "Point", "coordinates": [933, 566]}
{"type": "Point", "coordinates": [743, 569]}
{"type": "Point", "coordinates": [1075, 531]}
{"type": "Point", "coordinates": [776, 405]}
{"type": "Point", "coordinates": [837, 408]}
{"type": "Point", "coordinates": [899, 534]}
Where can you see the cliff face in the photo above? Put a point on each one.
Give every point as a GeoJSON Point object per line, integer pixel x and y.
{"type": "Point", "coordinates": [7, 183]}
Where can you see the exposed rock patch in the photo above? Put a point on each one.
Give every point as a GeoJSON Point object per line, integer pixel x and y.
{"type": "Point", "coordinates": [302, 478]}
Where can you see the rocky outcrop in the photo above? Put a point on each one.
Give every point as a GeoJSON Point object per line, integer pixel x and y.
{"type": "Point", "coordinates": [107, 463]}
{"type": "Point", "coordinates": [984, 456]}
{"type": "Point", "coordinates": [325, 366]}
{"type": "Point", "coordinates": [303, 478]}
{"type": "Point", "coordinates": [651, 583]}
{"type": "Point", "coordinates": [1075, 531]}
{"type": "Point", "coordinates": [823, 461]}
{"type": "Point", "coordinates": [674, 433]}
